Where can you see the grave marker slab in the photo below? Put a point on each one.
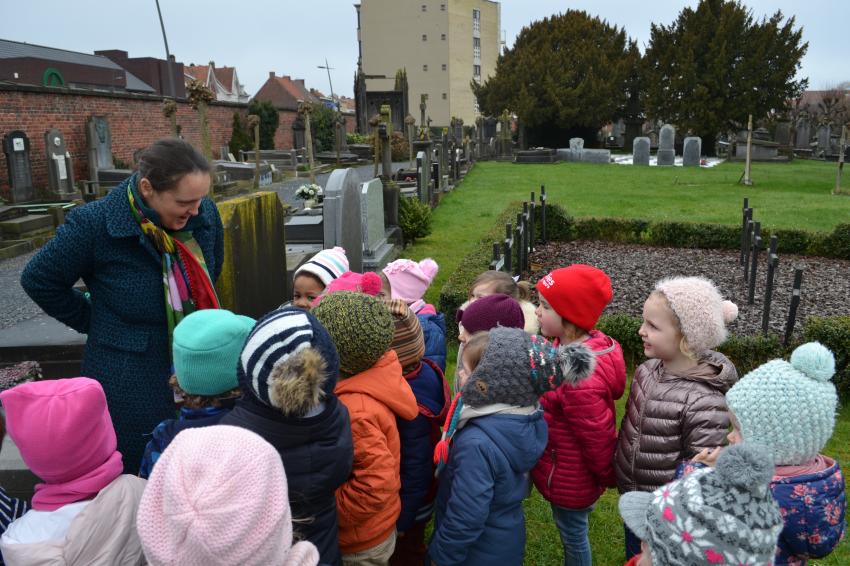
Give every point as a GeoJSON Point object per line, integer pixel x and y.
{"type": "Point", "coordinates": [342, 222]}
{"type": "Point", "coordinates": [666, 152]}
{"type": "Point", "coordinates": [692, 151]}
{"type": "Point", "coordinates": [376, 249]}
{"type": "Point", "coordinates": [640, 151]}
{"type": "Point", "coordinates": [16, 146]}
{"type": "Point", "coordinates": [59, 167]}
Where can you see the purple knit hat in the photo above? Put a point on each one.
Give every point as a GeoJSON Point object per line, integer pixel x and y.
{"type": "Point", "coordinates": [491, 311]}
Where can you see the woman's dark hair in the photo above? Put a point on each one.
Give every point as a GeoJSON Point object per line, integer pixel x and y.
{"type": "Point", "coordinates": [168, 160]}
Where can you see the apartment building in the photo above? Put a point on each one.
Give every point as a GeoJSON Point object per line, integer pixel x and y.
{"type": "Point", "coordinates": [443, 44]}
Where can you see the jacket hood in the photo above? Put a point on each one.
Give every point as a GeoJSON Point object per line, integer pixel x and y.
{"type": "Point", "coordinates": [385, 383]}
{"type": "Point", "coordinates": [522, 438]}
{"type": "Point", "coordinates": [103, 533]}
{"type": "Point", "coordinates": [713, 368]}
{"type": "Point", "coordinates": [287, 432]}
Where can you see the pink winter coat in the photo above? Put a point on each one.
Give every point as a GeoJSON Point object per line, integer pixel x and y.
{"type": "Point", "coordinates": [578, 464]}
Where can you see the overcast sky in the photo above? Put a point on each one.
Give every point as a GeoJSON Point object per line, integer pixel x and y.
{"type": "Point", "coordinates": [294, 37]}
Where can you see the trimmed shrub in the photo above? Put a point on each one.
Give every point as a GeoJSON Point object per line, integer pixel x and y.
{"type": "Point", "coordinates": [834, 333]}
{"type": "Point", "coordinates": [624, 329]}
{"type": "Point", "coordinates": [749, 352]}
{"type": "Point", "coordinates": [414, 219]}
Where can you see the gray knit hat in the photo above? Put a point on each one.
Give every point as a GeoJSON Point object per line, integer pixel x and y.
{"type": "Point", "coordinates": [516, 369]}
{"type": "Point", "coordinates": [722, 515]}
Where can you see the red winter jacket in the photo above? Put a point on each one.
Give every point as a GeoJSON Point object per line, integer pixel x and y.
{"type": "Point", "coordinates": [578, 463]}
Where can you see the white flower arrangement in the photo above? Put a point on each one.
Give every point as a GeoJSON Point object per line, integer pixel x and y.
{"type": "Point", "coordinates": [309, 191]}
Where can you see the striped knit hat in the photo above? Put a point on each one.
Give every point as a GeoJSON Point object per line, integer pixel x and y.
{"type": "Point", "coordinates": [287, 347]}
{"type": "Point", "coordinates": [327, 265]}
{"type": "Point", "coordinates": [408, 339]}
{"type": "Point", "coordinates": [360, 326]}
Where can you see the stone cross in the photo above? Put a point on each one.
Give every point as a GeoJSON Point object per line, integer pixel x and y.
{"type": "Point", "coordinates": [305, 110]}
{"type": "Point", "coordinates": [422, 106]}
{"type": "Point", "coordinates": [747, 178]}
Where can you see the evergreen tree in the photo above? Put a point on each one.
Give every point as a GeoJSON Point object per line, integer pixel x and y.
{"type": "Point", "coordinates": [269, 121]}
{"type": "Point", "coordinates": [715, 65]}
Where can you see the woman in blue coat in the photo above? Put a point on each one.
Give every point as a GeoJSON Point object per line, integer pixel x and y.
{"type": "Point", "coordinates": [149, 253]}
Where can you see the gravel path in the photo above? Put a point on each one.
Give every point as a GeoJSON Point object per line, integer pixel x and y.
{"type": "Point", "coordinates": [635, 269]}
{"type": "Point", "coordinates": [15, 305]}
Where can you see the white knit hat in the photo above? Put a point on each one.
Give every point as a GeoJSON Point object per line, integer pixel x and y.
{"type": "Point", "coordinates": [702, 312]}
{"type": "Point", "coordinates": [327, 265]}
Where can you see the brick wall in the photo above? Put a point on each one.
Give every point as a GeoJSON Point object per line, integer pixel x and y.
{"type": "Point", "coordinates": [135, 121]}
{"type": "Point", "coordinates": [283, 138]}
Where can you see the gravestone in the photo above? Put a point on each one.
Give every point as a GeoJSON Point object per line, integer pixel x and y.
{"type": "Point", "coordinates": [600, 156]}
{"type": "Point", "coordinates": [666, 153]}
{"type": "Point", "coordinates": [342, 224]}
{"type": "Point", "coordinates": [59, 167]}
{"type": "Point", "coordinates": [640, 151]}
{"type": "Point", "coordinates": [577, 144]}
{"type": "Point", "coordinates": [692, 151]}
{"type": "Point", "coordinates": [824, 133]}
{"type": "Point", "coordinates": [423, 170]}
{"type": "Point", "coordinates": [783, 134]}
{"type": "Point", "coordinates": [16, 146]}
{"type": "Point", "coordinates": [804, 134]}
{"type": "Point", "coordinates": [101, 167]}
{"type": "Point", "coordinates": [376, 249]}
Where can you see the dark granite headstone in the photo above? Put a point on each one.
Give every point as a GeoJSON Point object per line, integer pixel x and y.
{"type": "Point", "coordinates": [16, 146]}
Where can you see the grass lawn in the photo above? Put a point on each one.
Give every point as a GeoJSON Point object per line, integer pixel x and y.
{"type": "Point", "coordinates": [793, 195]}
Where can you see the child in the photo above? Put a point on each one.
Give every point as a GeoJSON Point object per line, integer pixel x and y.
{"type": "Point", "coordinates": [790, 409]}
{"type": "Point", "coordinates": [219, 497]}
{"type": "Point", "coordinates": [497, 434]}
{"type": "Point", "coordinates": [372, 387]}
{"type": "Point", "coordinates": [676, 406]}
{"type": "Point", "coordinates": [498, 282]}
{"type": "Point", "coordinates": [713, 516]}
{"type": "Point", "coordinates": [577, 465]}
{"type": "Point", "coordinates": [11, 508]}
{"type": "Point", "coordinates": [408, 281]}
{"type": "Point", "coordinates": [310, 280]}
{"type": "Point", "coordinates": [418, 437]}
{"type": "Point", "coordinates": [206, 350]}
{"type": "Point", "coordinates": [85, 511]}
{"type": "Point", "coordinates": [287, 371]}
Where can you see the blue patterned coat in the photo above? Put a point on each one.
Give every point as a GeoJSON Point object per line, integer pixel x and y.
{"type": "Point", "coordinates": [127, 349]}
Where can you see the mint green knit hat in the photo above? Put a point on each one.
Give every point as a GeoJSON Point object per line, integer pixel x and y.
{"type": "Point", "coordinates": [361, 327]}
{"type": "Point", "coordinates": [206, 350]}
{"type": "Point", "coordinates": [788, 407]}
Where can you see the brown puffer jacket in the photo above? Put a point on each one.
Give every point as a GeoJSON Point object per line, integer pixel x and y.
{"type": "Point", "coordinates": [670, 418]}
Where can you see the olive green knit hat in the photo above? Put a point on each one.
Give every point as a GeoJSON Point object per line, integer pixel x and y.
{"type": "Point", "coordinates": [361, 327]}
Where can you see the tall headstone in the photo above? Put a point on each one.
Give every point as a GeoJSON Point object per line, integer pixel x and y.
{"type": "Point", "coordinates": [101, 166]}
{"type": "Point", "coordinates": [423, 169]}
{"type": "Point", "coordinates": [783, 133]}
{"type": "Point", "coordinates": [342, 224]}
{"type": "Point", "coordinates": [444, 161]}
{"type": "Point", "coordinates": [666, 152]}
{"type": "Point", "coordinates": [376, 249]}
{"type": "Point", "coordinates": [16, 146]}
{"type": "Point", "coordinates": [59, 167]}
{"type": "Point", "coordinates": [692, 151]}
{"type": "Point", "coordinates": [824, 133]}
{"type": "Point", "coordinates": [640, 151]}
{"type": "Point", "coordinates": [804, 133]}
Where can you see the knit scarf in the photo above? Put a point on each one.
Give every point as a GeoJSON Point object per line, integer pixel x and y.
{"type": "Point", "coordinates": [187, 284]}
{"type": "Point", "coordinates": [52, 496]}
{"type": "Point", "coordinates": [441, 450]}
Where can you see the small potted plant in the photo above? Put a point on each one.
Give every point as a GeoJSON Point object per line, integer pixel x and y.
{"type": "Point", "coordinates": [309, 193]}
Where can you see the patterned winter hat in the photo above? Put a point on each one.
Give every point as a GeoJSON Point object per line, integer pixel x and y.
{"type": "Point", "coordinates": [327, 265]}
{"type": "Point", "coordinates": [788, 407]}
{"type": "Point", "coordinates": [516, 369]}
{"type": "Point", "coordinates": [408, 338]}
{"type": "Point", "coordinates": [721, 515]}
{"type": "Point", "coordinates": [218, 495]}
{"type": "Point", "coordinates": [702, 312]}
{"type": "Point", "coordinates": [409, 280]}
{"type": "Point", "coordinates": [369, 283]}
{"type": "Point", "coordinates": [491, 311]}
{"type": "Point", "coordinates": [287, 347]}
{"type": "Point", "coordinates": [360, 326]}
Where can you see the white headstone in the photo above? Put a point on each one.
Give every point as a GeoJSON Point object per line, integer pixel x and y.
{"type": "Point", "coordinates": [640, 151]}
{"type": "Point", "coordinates": [342, 224]}
{"type": "Point", "coordinates": [666, 139]}
{"type": "Point", "coordinates": [372, 215]}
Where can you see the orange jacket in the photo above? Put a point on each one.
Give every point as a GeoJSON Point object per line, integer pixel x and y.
{"type": "Point", "coordinates": [368, 504]}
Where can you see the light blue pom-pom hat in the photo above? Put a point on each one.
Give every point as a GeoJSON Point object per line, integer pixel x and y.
{"type": "Point", "coordinates": [789, 407]}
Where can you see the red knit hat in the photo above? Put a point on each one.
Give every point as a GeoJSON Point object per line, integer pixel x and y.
{"type": "Point", "coordinates": [578, 293]}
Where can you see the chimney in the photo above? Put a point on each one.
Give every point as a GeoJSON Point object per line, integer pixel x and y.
{"type": "Point", "coordinates": [300, 82]}
{"type": "Point", "coordinates": [271, 74]}
{"type": "Point", "coordinates": [212, 64]}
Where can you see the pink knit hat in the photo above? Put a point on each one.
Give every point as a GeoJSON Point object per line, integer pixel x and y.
{"type": "Point", "coordinates": [369, 283]}
{"type": "Point", "coordinates": [218, 495]}
{"type": "Point", "coordinates": [65, 435]}
{"type": "Point", "coordinates": [702, 312]}
{"type": "Point", "coordinates": [409, 280]}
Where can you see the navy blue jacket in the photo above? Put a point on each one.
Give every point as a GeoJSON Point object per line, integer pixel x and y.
{"type": "Point", "coordinates": [127, 349]}
{"type": "Point", "coordinates": [165, 432]}
{"type": "Point", "coordinates": [434, 330]}
{"type": "Point", "coordinates": [317, 454]}
{"type": "Point", "coordinates": [418, 439]}
{"type": "Point", "coordinates": [480, 520]}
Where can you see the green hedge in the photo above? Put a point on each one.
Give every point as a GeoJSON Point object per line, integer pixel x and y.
{"type": "Point", "coordinates": [699, 235]}
{"type": "Point", "coordinates": [834, 333]}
